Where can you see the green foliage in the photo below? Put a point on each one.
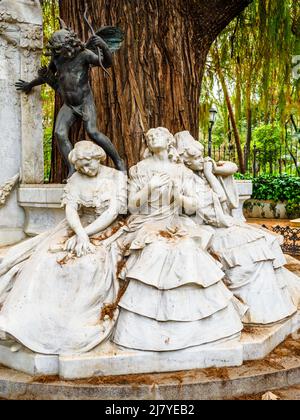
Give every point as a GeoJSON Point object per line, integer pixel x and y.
{"type": "Point", "coordinates": [47, 151]}
{"type": "Point", "coordinates": [267, 137]}
{"type": "Point", "coordinates": [243, 177]}
{"type": "Point", "coordinates": [50, 13]}
{"type": "Point", "coordinates": [256, 52]}
{"type": "Point", "coordinates": [276, 188]}
{"type": "Point", "coordinates": [293, 209]}
{"type": "Point", "coordinates": [268, 141]}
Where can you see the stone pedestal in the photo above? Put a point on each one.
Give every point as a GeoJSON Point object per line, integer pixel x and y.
{"type": "Point", "coordinates": [112, 360]}
{"type": "Point", "coordinates": [42, 206]}
{"type": "Point", "coordinates": [21, 135]}
{"type": "Point", "coordinates": [245, 189]}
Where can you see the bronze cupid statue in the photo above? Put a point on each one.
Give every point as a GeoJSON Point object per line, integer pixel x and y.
{"type": "Point", "coordinates": [68, 73]}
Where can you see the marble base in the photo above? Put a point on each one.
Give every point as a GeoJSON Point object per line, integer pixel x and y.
{"type": "Point", "coordinates": [11, 236]}
{"type": "Point", "coordinates": [114, 361]}
{"type": "Point", "coordinates": [259, 342]}
{"type": "Point", "coordinates": [111, 360]}
{"type": "Point", "coordinates": [26, 361]}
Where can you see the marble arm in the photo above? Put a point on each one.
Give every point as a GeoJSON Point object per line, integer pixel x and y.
{"type": "Point", "coordinates": [138, 199]}
{"type": "Point", "coordinates": [74, 220]}
{"type": "Point", "coordinates": [227, 169]}
{"type": "Point", "coordinates": [187, 200]}
{"type": "Point", "coordinates": [213, 181]}
{"type": "Point", "coordinates": [189, 204]}
{"type": "Point", "coordinates": [104, 221]}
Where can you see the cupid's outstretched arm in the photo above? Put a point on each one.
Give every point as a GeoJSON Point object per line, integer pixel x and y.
{"type": "Point", "coordinates": [45, 75]}
{"type": "Point", "coordinates": [27, 87]}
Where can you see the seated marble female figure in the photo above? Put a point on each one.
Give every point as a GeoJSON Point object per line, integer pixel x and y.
{"type": "Point", "coordinates": [53, 287]}
{"type": "Point", "coordinates": [251, 257]}
{"type": "Point", "coordinates": [175, 297]}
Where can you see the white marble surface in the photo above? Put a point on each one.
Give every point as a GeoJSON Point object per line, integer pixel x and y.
{"type": "Point", "coordinates": [245, 189]}
{"type": "Point", "coordinates": [188, 308]}
{"type": "Point", "coordinates": [259, 344]}
{"type": "Point", "coordinates": [118, 361]}
{"type": "Point", "coordinates": [26, 361]}
{"type": "Point", "coordinates": [25, 11]}
{"type": "Point", "coordinates": [251, 257]}
{"type": "Point", "coordinates": [54, 287]}
{"type": "Point", "coordinates": [111, 360]}
{"type": "Point", "coordinates": [170, 303]}
{"type": "Point", "coordinates": [21, 136]}
{"type": "Point", "coordinates": [43, 211]}
{"type": "Point", "coordinates": [42, 206]}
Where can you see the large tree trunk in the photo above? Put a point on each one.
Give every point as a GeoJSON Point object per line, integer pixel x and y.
{"type": "Point", "coordinates": [156, 77]}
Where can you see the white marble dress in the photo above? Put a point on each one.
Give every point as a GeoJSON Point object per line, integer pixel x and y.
{"type": "Point", "coordinates": [52, 307]}
{"type": "Point", "coordinates": [252, 260]}
{"type": "Point", "coordinates": [175, 298]}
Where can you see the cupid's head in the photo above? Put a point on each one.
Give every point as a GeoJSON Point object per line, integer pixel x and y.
{"type": "Point", "coordinates": [65, 42]}
{"type": "Point", "coordinates": [87, 158]}
{"type": "Point", "coordinates": [190, 151]}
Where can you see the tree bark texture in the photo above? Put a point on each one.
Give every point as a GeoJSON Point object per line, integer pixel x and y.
{"type": "Point", "coordinates": [156, 76]}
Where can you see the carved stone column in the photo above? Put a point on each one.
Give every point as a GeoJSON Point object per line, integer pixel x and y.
{"type": "Point", "coordinates": [21, 136]}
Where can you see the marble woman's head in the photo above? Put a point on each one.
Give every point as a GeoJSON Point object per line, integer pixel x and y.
{"type": "Point", "coordinates": [87, 158]}
{"type": "Point", "coordinates": [190, 150]}
{"type": "Point", "coordinates": [159, 139]}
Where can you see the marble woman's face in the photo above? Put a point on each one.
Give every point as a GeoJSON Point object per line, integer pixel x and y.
{"type": "Point", "coordinates": [195, 161]}
{"type": "Point", "coordinates": [88, 167]}
{"type": "Point", "coordinates": [158, 141]}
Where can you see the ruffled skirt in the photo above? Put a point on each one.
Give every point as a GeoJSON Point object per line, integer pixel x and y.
{"type": "Point", "coordinates": [53, 305]}
{"type": "Point", "coordinates": [175, 299]}
{"type": "Point", "coordinates": [252, 260]}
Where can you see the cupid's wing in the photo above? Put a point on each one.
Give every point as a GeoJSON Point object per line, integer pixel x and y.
{"type": "Point", "coordinates": [114, 37]}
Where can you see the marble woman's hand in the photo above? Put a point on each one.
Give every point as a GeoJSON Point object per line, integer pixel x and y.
{"type": "Point", "coordinates": [81, 245]}
{"type": "Point", "coordinates": [208, 167]}
{"type": "Point", "coordinates": [159, 181]}
{"type": "Point", "coordinates": [84, 246]}
{"type": "Point", "coordinates": [71, 244]}
{"type": "Point", "coordinates": [177, 196]}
